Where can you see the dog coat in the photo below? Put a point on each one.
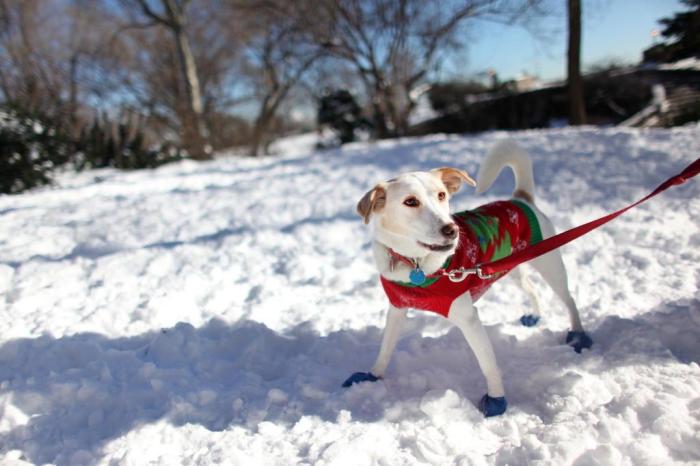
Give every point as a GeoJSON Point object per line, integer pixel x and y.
{"type": "Point", "coordinates": [486, 234]}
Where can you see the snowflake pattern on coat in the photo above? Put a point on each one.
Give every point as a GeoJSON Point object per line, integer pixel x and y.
{"type": "Point", "coordinates": [486, 234]}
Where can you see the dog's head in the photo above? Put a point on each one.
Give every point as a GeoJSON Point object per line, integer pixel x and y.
{"type": "Point", "coordinates": [412, 212]}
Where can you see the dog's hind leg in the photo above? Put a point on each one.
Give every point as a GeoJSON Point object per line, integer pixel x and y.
{"type": "Point", "coordinates": [464, 315]}
{"type": "Point", "coordinates": [522, 279]}
{"type": "Point", "coordinates": [552, 269]}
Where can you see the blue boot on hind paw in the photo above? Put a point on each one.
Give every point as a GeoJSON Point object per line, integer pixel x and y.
{"type": "Point", "coordinates": [529, 320]}
{"type": "Point", "coordinates": [359, 377]}
{"type": "Point", "coordinates": [493, 406]}
{"type": "Point", "coordinates": [578, 340]}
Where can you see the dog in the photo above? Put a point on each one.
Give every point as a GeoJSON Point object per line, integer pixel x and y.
{"type": "Point", "coordinates": [423, 254]}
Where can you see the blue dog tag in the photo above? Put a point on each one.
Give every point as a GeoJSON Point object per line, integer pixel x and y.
{"type": "Point", "coordinates": [417, 277]}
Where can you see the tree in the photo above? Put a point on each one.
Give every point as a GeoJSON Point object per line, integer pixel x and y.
{"type": "Point", "coordinates": [683, 32]}
{"type": "Point", "coordinates": [31, 76]}
{"type": "Point", "coordinates": [685, 28]}
{"type": "Point", "coordinates": [577, 108]}
{"type": "Point", "coordinates": [50, 51]}
{"type": "Point", "coordinates": [279, 51]}
{"type": "Point", "coordinates": [394, 44]}
{"type": "Point", "coordinates": [150, 79]}
{"type": "Point", "coordinates": [173, 16]}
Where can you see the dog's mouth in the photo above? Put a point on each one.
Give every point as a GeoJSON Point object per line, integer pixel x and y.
{"type": "Point", "coordinates": [437, 247]}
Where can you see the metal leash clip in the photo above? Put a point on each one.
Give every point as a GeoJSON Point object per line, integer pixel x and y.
{"type": "Point", "coordinates": [459, 275]}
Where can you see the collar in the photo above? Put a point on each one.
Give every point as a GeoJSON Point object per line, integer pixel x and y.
{"type": "Point", "coordinates": [395, 258]}
{"type": "Point", "coordinates": [417, 276]}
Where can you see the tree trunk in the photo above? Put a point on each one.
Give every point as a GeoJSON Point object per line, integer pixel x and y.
{"type": "Point", "coordinates": [256, 138]}
{"type": "Point", "coordinates": [268, 110]}
{"type": "Point", "coordinates": [194, 133]}
{"type": "Point", "coordinates": [73, 94]}
{"type": "Point", "coordinates": [390, 106]}
{"type": "Point", "coordinates": [262, 120]}
{"type": "Point", "coordinates": [262, 123]}
{"type": "Point", "coordinates": [193, 129]}
{"type": "Point", "coordinates": [577, 108]}
{"type": "Point", "coordinates": [381, 131]}
{"type": "Point", "coordinates": [189, 71]}
{"type": "Point", "coordinates": [403, 114]}
{"type": "Point", "coordinates": [174, 18]}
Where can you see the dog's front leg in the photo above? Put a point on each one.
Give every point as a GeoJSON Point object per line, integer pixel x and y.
{"type": "Point", "coordinates": [464, 315]}
{"type": "Point", "coordinates": [395, 318]}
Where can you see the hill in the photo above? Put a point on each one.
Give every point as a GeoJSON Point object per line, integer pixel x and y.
{"type": "Point", "coordinates": [206, 313]}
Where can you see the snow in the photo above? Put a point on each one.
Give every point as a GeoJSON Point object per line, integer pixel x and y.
{"type": "Point", "coordinates": [207, 313]}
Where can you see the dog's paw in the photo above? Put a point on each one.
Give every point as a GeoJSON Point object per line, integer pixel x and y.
{"type": "Point", "coordinates": [529, 320]}
{"type": "Point", "coordinates": [578, 340]}
{"type": "Point", "coordinates": [493, 406]}
{"type": "Point", "coordinates": [359, 377]}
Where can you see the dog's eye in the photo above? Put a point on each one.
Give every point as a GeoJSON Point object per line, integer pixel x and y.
{"type": "Point", "coordinates": [411, 202]}
{"type": "Point", "coordinates": [441, 196]}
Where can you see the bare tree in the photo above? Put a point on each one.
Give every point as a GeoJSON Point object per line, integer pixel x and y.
{"type": "Point", "coordinates": [279, 51]}
{"type": "Point", "coordinates": [29, 74]}
{"type": "Point", "coordinates": [173, 16]}
{"type": "Point", "coordinates": [394, 44]}
{"type": "Point", "coordinates": [49, 52]}
{"type": "Point", "coordinates": [577, 108]}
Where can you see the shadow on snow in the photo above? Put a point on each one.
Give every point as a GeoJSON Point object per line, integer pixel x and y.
{"type": "Point", "coordinates": [80, 392]}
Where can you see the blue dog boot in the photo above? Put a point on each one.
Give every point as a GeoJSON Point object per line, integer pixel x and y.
{"type": "Point", "coordinates": [359, 377]}
{"type": "Point", "coordinates": [529, 320]}
{"type": "Point", "coordinates": [578, 340]}
{"type": "Point", "coordinates": [493, 406]}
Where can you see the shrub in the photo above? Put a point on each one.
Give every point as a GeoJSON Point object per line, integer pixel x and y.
{"type": "Point", "coordinates": [339, 110]}
{"type": "Point", "coordinates": [31, 147]}
{"type": "Point", "coordinates": [119, 145]}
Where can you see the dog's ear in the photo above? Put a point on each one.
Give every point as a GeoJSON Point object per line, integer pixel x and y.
{"type": "Point", "coordinates": [373, 201]}
{"type": "Point", "coordinates": [453, 177]}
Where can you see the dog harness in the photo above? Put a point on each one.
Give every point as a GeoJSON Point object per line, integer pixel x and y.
{"type": "Point", "coordinates": [486, 234]}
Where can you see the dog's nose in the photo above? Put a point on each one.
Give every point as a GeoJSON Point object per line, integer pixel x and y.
{"type": "Point", "coordinates": [449, 231]}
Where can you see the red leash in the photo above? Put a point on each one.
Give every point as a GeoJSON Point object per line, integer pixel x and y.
{"type": "Point", "coordinates": [544, 246]}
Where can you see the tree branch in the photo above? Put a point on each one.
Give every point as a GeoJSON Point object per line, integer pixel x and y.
{"type": "Point", "coordinates": [150, 13]}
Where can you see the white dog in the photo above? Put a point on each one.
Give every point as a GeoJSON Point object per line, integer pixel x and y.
{"type": "Point", "coordinates": [424, 256]}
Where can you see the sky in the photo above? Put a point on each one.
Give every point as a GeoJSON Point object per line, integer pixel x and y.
{"type": "Point", "coordinates": [612, 29]}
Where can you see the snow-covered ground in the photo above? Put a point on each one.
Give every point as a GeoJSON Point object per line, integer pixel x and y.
{"type": "Point", "coordinates": [208, 313]}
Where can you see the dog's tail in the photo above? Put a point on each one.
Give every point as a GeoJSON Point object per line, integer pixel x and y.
{"type": "Point", "coordinates": [509, 153]}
